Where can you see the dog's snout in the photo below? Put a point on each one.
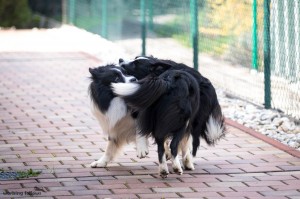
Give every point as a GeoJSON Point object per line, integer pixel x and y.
{"type": "Point", "coordinates": [133, 79]}
{"type": "Point", "coordinates": [121, 60]}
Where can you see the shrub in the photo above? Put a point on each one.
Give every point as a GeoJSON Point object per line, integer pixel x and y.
{"type": "Point", "coordinates": [15, 13]}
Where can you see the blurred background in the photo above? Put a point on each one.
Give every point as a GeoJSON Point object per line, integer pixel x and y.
{"type": "Point", "coordinates": [250, 48]}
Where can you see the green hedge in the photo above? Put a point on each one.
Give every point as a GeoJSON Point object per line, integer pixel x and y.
{"type": "Point", "coordinates": [15, 13]}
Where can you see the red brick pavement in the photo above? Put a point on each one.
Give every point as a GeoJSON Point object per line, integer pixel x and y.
{"type": "Point", "coordinates": [46, 124]}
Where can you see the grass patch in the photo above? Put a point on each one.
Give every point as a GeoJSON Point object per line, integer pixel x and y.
{"type": "Point", "coordinates": [27, 174]}
{"type": "Point", "coordinates": [210, 43]}
{"type": "Point", "coordinates": [19, 174]}
{"type": "Point", "coordinates": [214, 44]}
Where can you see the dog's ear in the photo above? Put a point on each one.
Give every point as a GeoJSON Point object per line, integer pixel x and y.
{"type": "Point", "coordinates": [93, 72]}
{"type": "Point", "coordinates": [121, 60]}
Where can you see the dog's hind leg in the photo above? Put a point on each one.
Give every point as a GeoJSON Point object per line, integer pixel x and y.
{"type": "Point", "coordinates": [142, 146]}
{"type": "Point", "coordinates": [187, 158]}
{"type": "Point", "coordinates": [163, 167]}
{"type": "Point", "coordinates": [175, 160]}
{"type": "Point", "coordinates": [112, 149]}
{"type": "Point", "coordinates": [167, 149]}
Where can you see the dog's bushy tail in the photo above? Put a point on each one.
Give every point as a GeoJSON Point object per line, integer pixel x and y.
{"type": "Point", "coordinates": [142, 94]}
{"type": "Point", "coordinates": [215, 127]}
{"type": "Point", "coordinates": [213, 130]}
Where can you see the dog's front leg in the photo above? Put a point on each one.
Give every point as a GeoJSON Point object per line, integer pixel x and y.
{"type": "Point", "coordinates": [111, 150]}
{"type": "Point", "coordinates": [141, 146]}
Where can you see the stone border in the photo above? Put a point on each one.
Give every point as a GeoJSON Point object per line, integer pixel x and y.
{"type": "Point", "coordinates": [264, 138]}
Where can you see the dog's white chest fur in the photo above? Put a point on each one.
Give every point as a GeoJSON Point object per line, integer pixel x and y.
{"type": "Point", "coordinates": [117, 111]}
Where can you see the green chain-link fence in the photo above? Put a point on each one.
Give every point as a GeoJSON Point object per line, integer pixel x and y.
{"type": "Point", "coordinates": [285, 55]}
{"type": "Point", "coordinates": [252, 35]}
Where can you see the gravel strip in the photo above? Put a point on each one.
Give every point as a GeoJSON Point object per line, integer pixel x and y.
{"type": "Point", "coordinates": [269, 122]}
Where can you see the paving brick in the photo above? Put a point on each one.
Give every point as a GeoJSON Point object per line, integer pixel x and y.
{"type": "Point", "coordinates": [67, 175]}
{"type": "Point", "coordinates": [56, 193]}
{"type": "Point", "coordinates": [67, 188]}
{"type": "Point", "coordinates": [93, 186]}
{"type": "Point", "coordinates": [200, 194]}
{"type": "Point", "coordinates": [41, 184]}
{"type": "Point", "coordinates": [76, 197]}
{"type": "Point", "coordinates": [239, 194]}
{"type": "Point", "coordinates": [158, 195]}
{"type": "Point", "coordinates": [294, 186]}
{"type": "Point", "coordinates": [286, 178]}
{"type": "Point", "coordinates": [131, 191]}
{"type": "Point", "coordinates": [149, 185]}
{"type": "Point", "coordinates": [281, 193]}
{"type": "Point", "coordinates": [251, 189]}
{"type": "Point", "coordinates": [172, 190]}
{"type": "Point", "coordinates": [226, 184]}
{"type": "Point", "coordinates": [117, 196]}
{"type": "Point", "coordinates": [91, 192]}
{"type": "Point", "coordinates": [79, 183]}
{"type": "Point", "coordinates": [264, 183]}
{"type": "Point", "coordinates": [193, 185]}
{"type": "Point", "coordinates": [269, 197]}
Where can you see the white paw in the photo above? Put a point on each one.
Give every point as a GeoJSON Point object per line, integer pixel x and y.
{"type": "Point", "coordinates": [163, 170]}
{"type": "Point", "coordinates": [142, 147]}
{"type": "Point", "coordinates": [177, 166]}
{"type": "Point", "coordinates": [177, 170]}
{"type": "Point", "coordinates": [142, 151]}
{"type": "Point", "coordinates": [188, 163]}
{"type": "Point", "coordinates": [98, 164]}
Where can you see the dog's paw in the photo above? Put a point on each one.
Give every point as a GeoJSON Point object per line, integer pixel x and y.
{"type": "Point", "coordinates": [142, 151]}
{"type": "Point", "coordinates": [163, 170]}
{"type": "Point", "coordinates": [177, 167]}
{"type": "Point", "coordinates": [164, 174]}
{"type": "Point", "coordinates": [189, 166]}
{"type": "Point", "coordinates": [142, 147]}
{"type": "Point", "coordinates": [178, 170]}
{"type": "Point", "coordinates": [188, 163]}
{"type": "Point", "coordinates": [98, 164]}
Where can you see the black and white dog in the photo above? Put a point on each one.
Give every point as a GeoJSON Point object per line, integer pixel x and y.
{"type": "Point", "coordinates": [167, 106]}
{"type": "Point", "coordinates": [192, 97]}
{"type": "Point", "coordinates": [114, 116]}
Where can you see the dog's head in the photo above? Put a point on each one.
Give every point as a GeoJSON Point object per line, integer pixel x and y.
{"type": "Point", "coordinates": [108, 74]}
{"type": "Point", "coordinates": [143, 66]}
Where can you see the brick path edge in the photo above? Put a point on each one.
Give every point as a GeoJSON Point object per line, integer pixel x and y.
{"type": "Point", "coordinates": [275, 143]}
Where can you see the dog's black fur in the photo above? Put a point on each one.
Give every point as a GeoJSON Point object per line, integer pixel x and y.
{"type": "Point", "coordinates": [208, 103]}
{"type": "Point", "coordinates": [167, 106]}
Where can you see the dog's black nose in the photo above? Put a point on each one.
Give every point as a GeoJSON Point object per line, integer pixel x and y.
{"type": "Point", "coordinates": [121, 60]}
{"type": "Point", "coordinates": [133, 79]}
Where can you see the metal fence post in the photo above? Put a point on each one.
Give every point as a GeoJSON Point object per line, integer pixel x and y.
{"type": "Point", "coordinates": [254, 36]}
{"type": "Point", "coordinates": [143, 25]}
{"type": "Point", "coordinates": [267, 72]}
{"type": "Point", "coordinates": [104, 19]}
{"type": "Point", "coordinates": [194, 30]}
{"type": "Point", "coordinates": [64, 11]}
{"type": "Point", "coordinates": [71, 11]}
{"type": "Point", "coordinates": [150, 8]}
